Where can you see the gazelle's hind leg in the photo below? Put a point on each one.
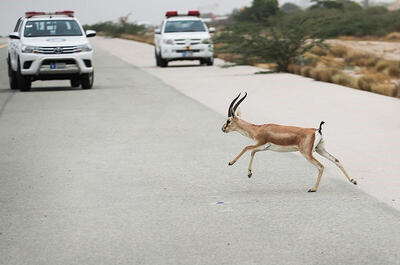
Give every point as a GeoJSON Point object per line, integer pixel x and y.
{"type": "Point", "coordinates": [320, 149]}
{"type": "Point", "coordinates": [308, 155]}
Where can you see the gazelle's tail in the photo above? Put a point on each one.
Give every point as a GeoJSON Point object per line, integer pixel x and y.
{"type": "Point", "coordinates": [320, 127]}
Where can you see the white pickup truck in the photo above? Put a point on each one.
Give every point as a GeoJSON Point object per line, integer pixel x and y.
{"type": "Point", "coordinates": [49, 46]}
{"type": "Point", "coordinates": [183, 37]}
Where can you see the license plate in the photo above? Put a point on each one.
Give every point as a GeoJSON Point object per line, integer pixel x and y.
{"type": "Point", "coordinates": [187, 54]}
{"type": "Point", "coordinates": [58, 65]}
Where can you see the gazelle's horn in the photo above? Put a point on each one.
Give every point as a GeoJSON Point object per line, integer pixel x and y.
{"type": "Point", "coordinates": [230, 112]}
{"type": "Point", "coordinates": [238, 103]}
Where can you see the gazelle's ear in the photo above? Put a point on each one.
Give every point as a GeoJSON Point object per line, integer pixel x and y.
{"type": "Point", "coordinates": [238, 113]}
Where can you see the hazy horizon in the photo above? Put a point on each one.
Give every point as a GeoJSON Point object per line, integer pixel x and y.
{"type": "Point", "coordinates": [89, 12]}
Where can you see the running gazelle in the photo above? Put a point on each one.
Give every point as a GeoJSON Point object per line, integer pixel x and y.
{"type": "Point", "coordinates": [280, 138]}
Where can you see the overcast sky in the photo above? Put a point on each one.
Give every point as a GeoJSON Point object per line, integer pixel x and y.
{"type": "Point", "coordinates": [91, 11]}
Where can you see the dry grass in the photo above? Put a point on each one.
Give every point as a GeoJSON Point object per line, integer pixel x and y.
{"type": "Point", "coordinates": [394, 70]}
{"type": "Point", "coordinates": [338, 51]}
{"type": "Point", "coordinates": [306, 71]}
{"type": "Point", "coordinates": [295, 69]}
{"type": "Point", "coordinates": [267, 66]}
{"type": "Point", "coordinates": [344, 80]}
{"type": "Point", "coordinates": [361, 70]}
{"type": "Point", "coordinates": [385, 89]}
{"type": "Point", "coordinates": [319, 51]}
{"type": "Point", "coordinates": [354, 58]}
{"type": "Point", "coordinates": [382, 65]}
{"type": "Point", "coordinates": [149, 39]}
{"type": "Point", "coordinates": [394, 36]}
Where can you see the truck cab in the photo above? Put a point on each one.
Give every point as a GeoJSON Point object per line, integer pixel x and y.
{"type": "Point", "coordinates": [183, 37]}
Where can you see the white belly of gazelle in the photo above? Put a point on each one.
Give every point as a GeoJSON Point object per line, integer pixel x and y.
{"type": "Point", "coordinates": [281, 148]}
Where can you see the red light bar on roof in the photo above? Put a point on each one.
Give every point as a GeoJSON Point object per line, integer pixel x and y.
{"type": "Point", "coordinates": [66, 12]}
{"type": "Point", "coordinates": [33, 13]}
{"type": "Point", "coordinates": [195, 13]}
{"type": "Point", "coordinates": [171, 13]}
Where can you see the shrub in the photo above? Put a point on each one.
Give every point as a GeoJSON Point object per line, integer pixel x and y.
{"type": "Point", "coordinates": [338, 51]}
{"type": "Point", "coordinates": [382, 65]}
{"type": "Point", "coordinates": [394, 70]}
{"type": "Point", "coordinates": [327, 74]}
{"type": "Point", "coordinates": [364, 83]}
{"type": "Point", "coordinates": [319, 51]}
{"type": "Point", "coordinates": [306, 71]}
{"type": "Point", "coordinates": [343, 79]}
{"type": "Point", "coordinates": [384, 89]}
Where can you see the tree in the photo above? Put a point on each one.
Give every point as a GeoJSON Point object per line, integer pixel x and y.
{"type": "Point", "coordinates": [280, 44]}
{"type": "Point", "coordinates": [290, 8]}
{"type": "Point", "coordinates": [259, 11]}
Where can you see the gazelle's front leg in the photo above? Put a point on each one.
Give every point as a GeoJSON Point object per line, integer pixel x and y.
{"type": "Point", "coordinates": [250, 173]}
{"type": "Point", "coordinates": [247, 148]}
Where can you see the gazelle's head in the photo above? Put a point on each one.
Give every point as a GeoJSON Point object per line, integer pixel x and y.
{"type": "Point", "coordinates": [233, 116]}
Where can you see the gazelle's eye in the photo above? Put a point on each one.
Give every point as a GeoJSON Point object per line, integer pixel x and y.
{"type": "Point", "coordinates": [228, 121]}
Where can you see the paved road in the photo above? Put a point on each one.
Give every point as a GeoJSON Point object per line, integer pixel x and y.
{"type": "Point", "coordinates": [361, 127]}
{"type": "Point", "coordinates": [134, 172]}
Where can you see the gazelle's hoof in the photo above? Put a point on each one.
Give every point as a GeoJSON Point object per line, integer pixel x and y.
{"type": "Point", "coordinates": [249, 174]}
{"type": "Point", "coordinates": [230, 164]}
{"type": "Point", "coordinates": [312, 190]}
{"type": "Point", "coordinates": [353, 181]}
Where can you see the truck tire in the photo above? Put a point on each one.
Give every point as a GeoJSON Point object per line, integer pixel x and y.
{"type": "Point", "coordinates": [163, 62]}
{"type": "Point", "coordinates": [12, 76]}
{"type": "Point", "coordinates": [24, 83]}
{"type": "Point", "coordinates": [75, 82]}
{"type": "Point", "coordinates": [210, 61]}
{"type": "Point", "coordinates": [158, 63]}
{"type": "Point", "coordinates": [87, 80]}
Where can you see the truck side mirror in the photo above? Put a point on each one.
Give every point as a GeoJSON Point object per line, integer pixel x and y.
{"type": "Point", "coordinates": [157, 31]}
{"type": "Point", "coordinates": [14, 35]}
{"type": "Point", "coordinates": [90, 33]}
{"type": "Point", "coordinates": [211, 30]}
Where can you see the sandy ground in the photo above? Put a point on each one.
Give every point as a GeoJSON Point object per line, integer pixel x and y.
{"type": "Point", "coordinates": [387, 50]}
{"type": "Point", "coordinates": [362, 129]}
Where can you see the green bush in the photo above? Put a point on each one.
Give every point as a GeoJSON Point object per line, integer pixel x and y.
{"type": "Point", "coordinates": [116, 29]}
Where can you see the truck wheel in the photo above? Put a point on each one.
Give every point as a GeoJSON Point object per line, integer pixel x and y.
{"type": "Point", "coordinates": [87, 81]}
{"type": "Point", "coordinates": [158, 63]}
{"type": "Point", "coordinates": [75, 82]}
{"type": "Point", "coordinates": [210, 61]}
{"type": "Point", "coordinates": [163, 62]}
{"type": "Point", "coordinates": [23, 82]}
{"type": "Point", "coordinates": [12, 76]}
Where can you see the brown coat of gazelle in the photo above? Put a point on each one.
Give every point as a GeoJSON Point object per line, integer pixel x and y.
{"type": "Point", "coordinates": [280, 138]}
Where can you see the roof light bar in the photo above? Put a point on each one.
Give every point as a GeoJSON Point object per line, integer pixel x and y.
{"type": "Point", "coordinates": [171, 13]}
{"type": "Point", "coordinates": [63, 13]}
{"type": "Point", "coordinates": [195, 13]}
{"type": "Point", "coordinates": [66, 13]}
{"type": "Point", "coordinates": [34, 13]}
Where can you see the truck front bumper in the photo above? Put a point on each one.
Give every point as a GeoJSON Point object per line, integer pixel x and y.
{"type": "Point", "coordinates": [49, 64]}
{"type": "Point", "coordinates": [181, 52]}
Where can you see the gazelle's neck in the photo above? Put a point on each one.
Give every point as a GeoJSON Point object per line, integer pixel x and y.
{"type": "Point", "coordinates": [246, 129]}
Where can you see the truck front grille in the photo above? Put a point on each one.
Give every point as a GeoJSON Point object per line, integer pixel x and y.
{"type": "Point", "coordinates": [58, 50]}
{"type": "Point", "coordinates": [187, 41]}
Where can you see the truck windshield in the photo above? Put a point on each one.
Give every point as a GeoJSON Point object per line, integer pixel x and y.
{"type": "Point", "coordinates": [52, 28]}
{"type": "Point", "coordinates": [184, 26]}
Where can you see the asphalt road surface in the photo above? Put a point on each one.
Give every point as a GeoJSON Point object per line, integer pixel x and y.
{"type": "Point", "coordinates": [134, 172]}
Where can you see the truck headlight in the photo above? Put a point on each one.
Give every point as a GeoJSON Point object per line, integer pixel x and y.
{"type": "Point", "coordinates": [168, 41]}
{"type": "Point", "coordinates": [85, 48]}
{"type": "Point", "coordinates": [29, 49]}
{"type": "Point", "coordinates": [206, 41]}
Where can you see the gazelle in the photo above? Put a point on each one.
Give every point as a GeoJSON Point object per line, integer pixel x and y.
{"type": "Point", "coordinates": [280, 138]}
